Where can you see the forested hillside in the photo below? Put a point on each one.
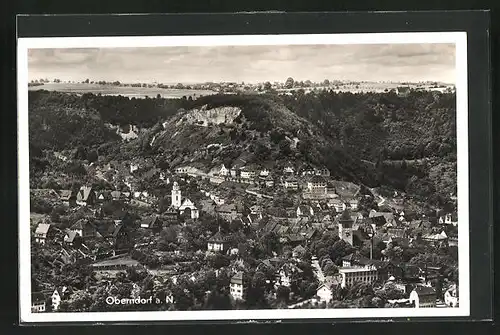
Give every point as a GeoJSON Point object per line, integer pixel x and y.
{"type": "Point", "coordinates": [411, 140]}
{"type": "Point", "coordinates": [406, 143]}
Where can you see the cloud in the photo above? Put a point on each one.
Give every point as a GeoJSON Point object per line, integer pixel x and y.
{"type": "Point", "coordinates": [375, 62]}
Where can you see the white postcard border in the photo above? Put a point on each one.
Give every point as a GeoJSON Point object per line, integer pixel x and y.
{"type": "Point", "coordinates": [458, 38]}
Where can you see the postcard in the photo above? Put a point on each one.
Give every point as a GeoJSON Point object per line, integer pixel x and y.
{"type": "Point", "coordinates": [255, 177]}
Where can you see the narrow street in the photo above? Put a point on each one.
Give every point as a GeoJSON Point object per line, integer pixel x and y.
{"type": "Point", "coordinates": [318, 272]}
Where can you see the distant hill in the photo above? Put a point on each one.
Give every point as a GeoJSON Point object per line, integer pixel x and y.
{"type": "Point", "coordinates": [63, 122]}
{"type": "Point", "coordinates": [259, 128]}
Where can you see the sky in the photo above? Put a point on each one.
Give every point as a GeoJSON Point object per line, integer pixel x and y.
{"type": "Point", "coordinates": [250, 64]}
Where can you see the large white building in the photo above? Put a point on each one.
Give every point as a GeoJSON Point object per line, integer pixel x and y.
{"type": "Point", "coordinates": [317, 185]}
{"type": "Point", "coordinates": [353, 274]}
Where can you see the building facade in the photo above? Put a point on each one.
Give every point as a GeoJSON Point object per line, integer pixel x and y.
{"type": "Point", "coordinates": [237, 286]}
{"type": "Point", "coordinates": [350, 275]}
{"type": "Point", "coordinates": [423, 297]}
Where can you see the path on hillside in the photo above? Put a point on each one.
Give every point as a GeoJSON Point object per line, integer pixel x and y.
{"type": "Point", "coordinates": [375, 194]}
{"type": "Point", "coordinates": [318, 272]}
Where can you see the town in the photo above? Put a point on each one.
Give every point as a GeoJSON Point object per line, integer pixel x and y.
{"type": "Point", "coordinates": [235, 236]}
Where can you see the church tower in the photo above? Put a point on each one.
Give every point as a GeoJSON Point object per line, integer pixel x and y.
{"type": "Point", "coordinates": [176, 195]}
{"type": "Point", "coordinates": [344, 225]}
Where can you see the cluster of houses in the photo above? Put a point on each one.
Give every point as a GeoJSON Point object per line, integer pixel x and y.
{"type": "Point", "coordinates": [378, 228]}
{"type": "Point", "coordinates": [321, 209]}
{"type": "Point", "coordinates": [413, 282]}
{"type": "Point", "coordinates": [49, 300]}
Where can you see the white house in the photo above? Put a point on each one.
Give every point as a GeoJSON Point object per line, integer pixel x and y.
{"type": "Point", "coordinates": [324, 291]}
{"type": "Point", "coordinates": [316, 185]}
{"type": "Point", "coordinates": [289, 169]}
{"type": "Point", "coordinates": [451, 296]}
{"type": "Point", "coordinates": [308, 172]}
{"type": "Point", "coordinates": [264, 172]}
{"type": "Point", "coordinates": [42, 232]}
{"type": "Point", "coordinates": [256, 209]}
{"type": "Point", "coordinates": [450, 218]}
{"type": "Point", "coordinates": [247, 173]}
{"type": "Point", "coordinates": [322, 172]}
{"type": "Point", "coordinates": [423, 297]}
{"type": "Point", "coordinates": [338, 205]}
{"type": "Point", "coordinates": [304, 210]}
{"type": "Point", "coordinates": [133, 167]}
{"type": "Point", "coordinates": [189, 170]}
{"type": "Point", "coordinates": [37, 302]}
{"type": "Point", "coordinates": [237, 286]}
{"type": "Point", "coordinates": [291, 184]}
{"type": "Point", "coordinates": [189, 205]}
{"type": "Point", "coordinates": [353, 204]}
{"type": "Point", "coordinates": [217, 243]}
{"type": "Point", "coordinates": [224, 171]}
{"type": "Point", "coordinates": [57, 296]}
{"type": "Point", "coordinates": [269, 181]}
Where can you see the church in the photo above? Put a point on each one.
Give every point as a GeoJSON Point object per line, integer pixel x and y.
{"type": "Point", "coordinates": [183, 204]}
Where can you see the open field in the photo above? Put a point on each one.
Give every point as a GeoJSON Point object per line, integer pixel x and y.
{"type": "Point", "coordinates": [136, 92]}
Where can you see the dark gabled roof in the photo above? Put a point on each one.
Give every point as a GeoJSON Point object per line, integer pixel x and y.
{"type": "Point", "coordinates": [305, 208]}
{"type": "Point", "coordinates": [351, 257]}
{"type": "Point", "coordinates": [310, 233]}
{"type": "Point", "coordinates": [237, 277]}
{"type": "Point", "coordinates": [37, 297]}
{"type": "Point", "coordinates": [378, 220]}
{"type": "Point", "coordinates": [105, 227]}
{"type": "Point", "coordinates": [294, 237]}
{"type": "Point", "coordinates": [346, 216]}
{"type": "Point", "coordinates": [387, 215]}
{"type": "Point", "coordinates": [218, 238]}
{"type": "Point", "coordinates": [80, 224]}
{"type": "Point", "coordinates": [270, 226]}
{"type": "Point", "coordinates": [317, 179]}
{"type": "Point", "coordinates": [254, 217]}
{"type": "Point", "coordinates": [85, 192]}
{"type": "Point", "coordinates": [425, 290]}
{"type": "Point", "coordinates": [266, 263]}
{"type": "Point", "coordinates": [357, 259]}
{"type": "Point", "coordinates": [65, 195]}
{"type": "Point", "coordinates": [150, 221]}
{"type": "Point", "coordinates": [118, 229]}
{"type": "Point", "coordinates": [226, 208]}
{"type": "Point", "coordinates": [401, 241]}
{"type": "Point", "coordinates": [171, 210]}
{"type": "Point", "coordinates": [71, 236]}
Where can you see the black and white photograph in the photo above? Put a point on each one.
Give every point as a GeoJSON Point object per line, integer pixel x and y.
{"type": "Point", "coordinates": [243, 177]}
